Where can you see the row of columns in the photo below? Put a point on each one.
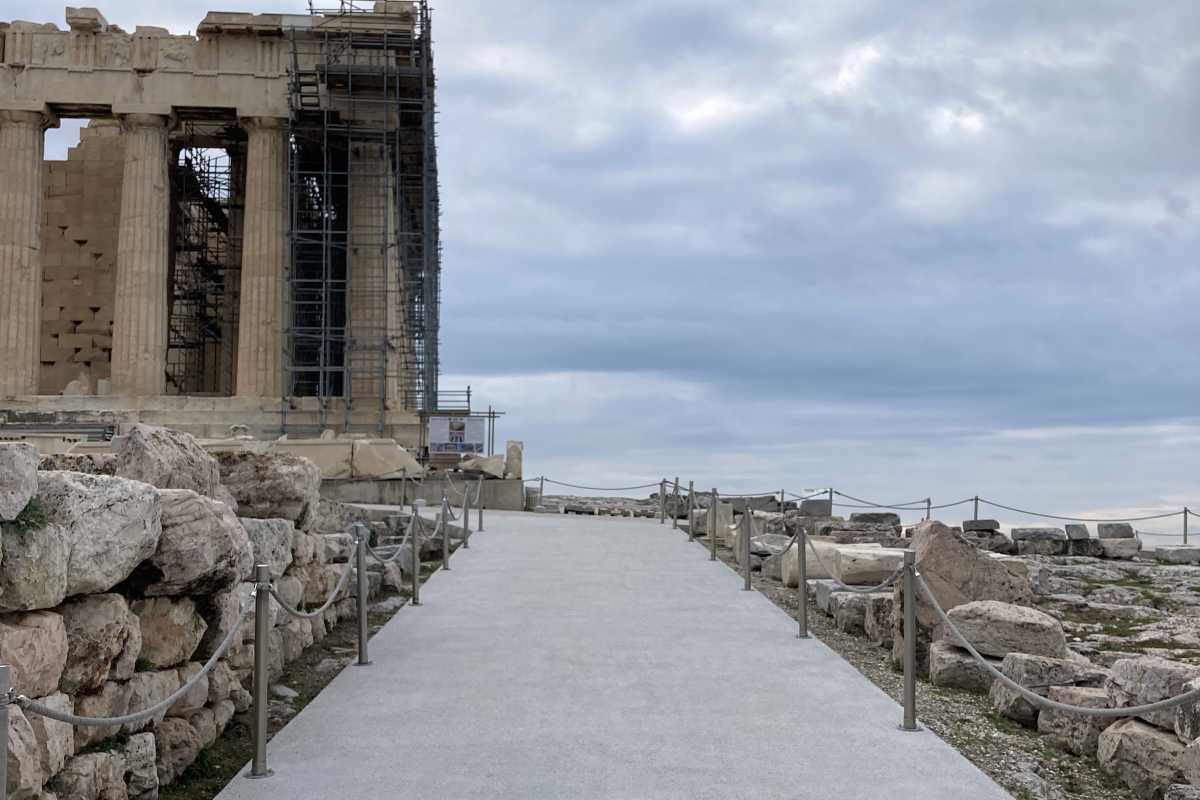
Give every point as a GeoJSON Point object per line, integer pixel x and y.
{"type": "Point", "coordinates": [142, 302]}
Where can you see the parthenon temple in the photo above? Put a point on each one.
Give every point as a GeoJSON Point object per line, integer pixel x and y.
{"type": "Point", "coordinates": [246, 233]}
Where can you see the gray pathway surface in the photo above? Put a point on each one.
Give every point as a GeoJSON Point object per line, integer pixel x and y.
{"type": "Point", "coordinates": [578, 657]}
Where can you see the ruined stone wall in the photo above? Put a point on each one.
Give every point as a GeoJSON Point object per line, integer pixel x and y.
{"type": "Point", "coordinates": [81, 217]}
{"type": "Point", "coordinates": [120, 576]}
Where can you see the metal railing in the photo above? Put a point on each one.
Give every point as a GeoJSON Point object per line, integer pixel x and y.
{"type": "Point", "coordinates": [258, 603]}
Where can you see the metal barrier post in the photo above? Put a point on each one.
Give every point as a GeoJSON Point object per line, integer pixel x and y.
{"type": "Point", "coordinates": [782, 501]}
{"type": "Point", "coordinates": [1185, 524]}
{"type": "Point", "coordinates": [466, 512]}
{"type": "Point", "coordinates": [662, 501]}
{"type": "Point", "coordinates": [747, 533]}
{"type": "Point", "coordinates": [415, 541]}
{"type": "Point", "coordinates": [976, 508]}
{"type": "Point", "coordinates": [403, 488]}
{"type": "Point", "coordinates": [364, 586]}
{"type": "Point", "coordinates": [910, 642]}
{"type": "Point", "coordinates": [541, 490]}
{"type": "Point", "coordinates": [675, 508]}
{"type": "Point", "coordinates": [928, 508]}
{"type": "Point", "coordinates": [691, 511]}
{"type": "Point", "coordinates": [416, 523]}
{"type": "Point", "coordinates": [5, 688]}
{"type": "Point", "coordinates": [262, 644]}
{"type": "Point", "coordinates": [712, 525]}
{"type": "Point", "coordinates": [831, 501]}
{"type": "Point", "coordinates": [479, 502]}
{"type": "Point", "coordinates": [802, 562]}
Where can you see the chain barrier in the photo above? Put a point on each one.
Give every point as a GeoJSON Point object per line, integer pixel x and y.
{"type": "Point", "coordinates": [25, 704]}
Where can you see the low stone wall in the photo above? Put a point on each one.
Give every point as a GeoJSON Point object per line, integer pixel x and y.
{"type": "Point", "coordinates": [498, 495]}
{"type": "Point", "coordinates": [121, 574]}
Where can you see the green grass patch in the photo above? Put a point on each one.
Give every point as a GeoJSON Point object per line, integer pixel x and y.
{"type": "Point", "coordinates": [32, 518]}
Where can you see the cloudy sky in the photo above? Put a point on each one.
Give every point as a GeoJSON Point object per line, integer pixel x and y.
{"type": "Point", "coordinates": [904, 249]}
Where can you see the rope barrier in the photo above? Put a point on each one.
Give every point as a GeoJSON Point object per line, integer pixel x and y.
{"type": "Point", "coordinates": [1036, 699]}
{"type": "Point", "coordinates": [891, 580]}
{"type": "Point", "coordinates": [341, 584]}
{"type": "Point", "coordinates": [1081, 519]}
{"type": "Point", "coordinates": [806, 497]}
{"type": "Point", "coordinates": [24, 703]}
{"type": "Point", "coordinates": [915, 505]}
{"type": "Point", "coordinates": [603, 488]}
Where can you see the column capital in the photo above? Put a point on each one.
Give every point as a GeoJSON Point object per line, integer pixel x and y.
{"type": "Point", "coordinates": [269, 124]}
{"type": "Point", "coordinates": [44, 118]}
{"type": "Point", "coordinates": [133, 121]}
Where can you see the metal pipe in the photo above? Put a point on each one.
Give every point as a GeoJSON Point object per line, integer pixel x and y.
{"type": "Point", "coordinates": [262, 646]}
{"type": "Point", "coordinates": [415, 541]}
{"type": "Point", "coordinates": [479, 502]}
{"type": "Point", "coordinates": [466, 513]}
{"type": "Point", "coordinates": [541, 490]}
{"type": "Point", "coordinates": [910, 641]}
{"type": "Point", "coordinates": [928, 508]}
{"type": "Point", "coordinates": [5, 688]}
{"type": "Point", "coordinates": [802, 554]}
{"type": "Point", "coordinates": [675, 509]}
{"type": "Point", "coordinates": [364, 586]}
{"type": "Point", "coordinates": [747, 533]}
{"type": "Point", "coordinates": [1185, 524]}
{"type": "Point", "coordinates": [782, 502]}
{"type": "Point", "coordinates": [691, 511]}
{"type": "Point", "coordinates": [445, 540]}
{"type": "Point", "coordinates": [712, 525]}
{"type": "Point", "coordinates": [831, 501]}
{"type": "Point", "coordinates": [662, 501]}
{"type": "Point", "coordinates": [976, 508]}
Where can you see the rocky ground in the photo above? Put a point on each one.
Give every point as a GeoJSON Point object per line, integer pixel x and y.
{"type": "Point", "coordinates": [1017, 758]}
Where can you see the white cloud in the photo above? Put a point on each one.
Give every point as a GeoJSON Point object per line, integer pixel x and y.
{"type": "Point", "coordinates": [937, 196]}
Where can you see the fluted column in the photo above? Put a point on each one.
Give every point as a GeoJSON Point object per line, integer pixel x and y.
{"type": "Point", "coordinates": [139, 356]}
{"type": "Point", "coordinates": [264, 258]}
{"type": "Point", "coordinates": [21, 191]}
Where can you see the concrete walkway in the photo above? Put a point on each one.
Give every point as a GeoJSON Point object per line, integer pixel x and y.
{"type": "Point", "coordinates": [578, 657]}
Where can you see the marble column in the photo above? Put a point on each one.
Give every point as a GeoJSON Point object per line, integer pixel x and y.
{"type": "Point", "coordinates": [139, 355]}
{"type": "Point", "coordinates": [261, 320]}
{"type": "Point", "coordinates": [21, 192]}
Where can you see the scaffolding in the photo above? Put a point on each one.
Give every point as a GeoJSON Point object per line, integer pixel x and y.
{"type": "Point", "coordinates": [365, 259]}
{"type": "Point", "coordinates": [204, 273]}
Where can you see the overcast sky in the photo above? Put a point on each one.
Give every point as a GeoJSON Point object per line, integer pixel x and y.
{"type": "Point", "coordinates": [905, 249]}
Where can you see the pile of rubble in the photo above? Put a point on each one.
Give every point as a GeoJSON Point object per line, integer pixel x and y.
{"type": "Point", "coordinates": [119, 576]}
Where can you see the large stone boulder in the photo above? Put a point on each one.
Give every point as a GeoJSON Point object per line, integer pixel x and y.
{"type": "Point", "coordinates": [25, 773]}
{"type": "Point", "coordinates": [1145, 758]}
{"type": "Point", "coordinates": [141, 772]}
{"type": "Point", "coordinates": [1040, 541]}
{"type": "Point", "coordinates": [177, 745]}
{"type": "Point", "coordinates": [997, 629]}
{"type": "Point", "coordinates": [820, 567]}
{"type": "Point", "coordinates": [1115, 530]}
{"type": "Point", "coordinates": [146, 690]}
{"type": "Point", "coordinates": [35, 646]}
{"type": "Point", "coordinates": [272, 541]}
{"type": "Point", "coordinates": [514, 460]}
{"type": "Point", "coordinates": [1038, 674]}
{"type": "Point", "coordinates": [866, 566]}
{"type": "Point", "coordinates": [954, 668]}
{"type": "Point", "coordinates": [104, 641]}
{"type": "Point", "coordinates": [1122, 548]}
{"type": "Point", "coordinates": [203, 548]}
{"type": "Point", "coordinates": [111, 525]}
{"type": "Point", "coordinates": [491, 466]}
{"type": "Point", "coordinates": [171, 630]}
{"type": "Point", "coordinates": [167, 459]}
{"type": "Point", "coordinates": [18, 478]}
{"type": "Point", "coordinates": [92, 776]}
{"type": "Point", "coordinates": [33, 567]}
{"type": "Point", "coordinates": [1148, 679]}
{"type": "Point", "coordinates": [272, 485]}
{"type": "Point", "coordinates": [56, 740]}
{"type": "Point", "coordinates": [382, 459]}
{"type": "Point", "coordinates": [1075, 733]}
{"type": "Point", "coordinates": [877, 618]}
{"type": "Point", "coordinates": [956, 573]}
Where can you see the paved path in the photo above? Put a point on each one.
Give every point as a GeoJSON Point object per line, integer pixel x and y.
{"type": "Point", "coordinates": [578, 657]}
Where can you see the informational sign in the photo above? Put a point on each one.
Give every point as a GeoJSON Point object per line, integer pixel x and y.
{"type": "Point", "coordinates": [457, 434]}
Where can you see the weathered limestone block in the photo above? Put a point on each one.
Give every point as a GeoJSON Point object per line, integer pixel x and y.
{"type": "Point", "coordinates": [220, 613]}
{"type": "Point", "coordinates": [514, 460]}
{"type": "Point", "coordinates": [296, 637]}
{"type": "Point", "coordinates": [93, 776]}
{"type": "Point", "coordinates": [990, 541]}
{"type": "Point", "coordinates": [850, 610]}
{"type": "Point", "coordinates": [1176, 554]}
{"type": "Point", "coordinates": [222, 713]}
{"type": "Point", "coordinates": [878, 518]}
{"type": "Point", "coordinates": [997, 629]}
{"type": "Point", "coordinates": [204, 723]}
{"type": "Point", "coordinates": [145, 690]}
{"type": "Point", "coordinates": [34, 644]}
{"type": "Point", "coordinates": [18, 478]}
{"type": "Point", "coordinates": [877, 620]}
{"type": "Point", "coordinates": [1076, 532]}
{"type": "Point", "coordinates": [1075, 733]}
{"type": "Point", "coordinates": [1181, 791]}
{"type": "Point", "coordinates": [1187, 716]}
{"type": "Point", "coordinates": [823, 590]}
{"type": "Point", "coordinates": [171, 630]}
{"type": "Point", "coordinates": [492, 466]}
{"type": "Point", "coordinates": [1115, 530]}
{"type": "Point", "coordinates": [203, 548]}
{"type": "Point", "coordinates": [104, 641]}
{"type": "Point", "coordinates": [1148, 679]}
{"type": "Point", "coordinates": [1145, 758]}
{"type": "Point", "coordinates": [176, 746]}
{"type": "Point", "coordinates": [196, 698]}
{"type": "Point", "coordinates": [111, 701]}
{"type": "Point", "coordinates": [336, 548]}
{"type": "Point", "coordinates": [816, 508]}
{"type": "Point", "coordinates": [111, 525]}
{"type": "Point", "coordinates": [980, 525]}
{"type": "Point", "coordinates": [1122, 549]}
{"type": "Point", "coordinates": [272, 485]}
{"type": "Point", "coordinates": [953, 668]}
{"type": "Point", "coordinates": [1040, 541]}
{"type": "Point", "coordinates": [303, 548]}
{"type": "Point", "coordinates": [56, 740]}
{"type": "Point", "coordinates": [822, 566]}
{"type": "Point", "coordinates": [221, 683]}
{"type": "Point", "coordinates": [88, 463]}
{"type": "Point", "coordinates": [33, 569]}
{"type": "Point", "coordinates": [1085, 548]}
{"type": "Point", "coordinates": [167, 459]}
{"type": "Point", "coordinates": [383, 459]}
{"type": "Point", "coordinates": [866, 566]}
{"type": "Point", "coordinates": [26, 776]}
{"type": "Point", "coordinates": [271, 540]}
{"type": "Point", "coordinates": [291, 591]}
{"type": "Point", "coordinates": [1038, 674]}
{"type": "Point", "coordinates": [141, 772]}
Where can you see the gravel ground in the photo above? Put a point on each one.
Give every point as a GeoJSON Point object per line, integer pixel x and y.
{"type": "Point", "coordinates": [1017, 758]}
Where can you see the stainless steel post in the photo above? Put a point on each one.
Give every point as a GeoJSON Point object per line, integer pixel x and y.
{"type": "Point", "coordinates": [662, 501]}
{"type": "Point", "coordinates": [403, 488]}
{"type": "Point", "coordinates": [976, 508]}
{"type": "Point", "coordinates": [712, 525]}
{"type": "Point", "coordinates": [262, 645]}
{"type": "Point", "coordinates": [541, 489]}
{"type": "Point", "coordinates": [782, 501]}
{"type": "Point", "coordinates": [928, 508]}
{"type": "Point", "coordinates": [910, 641]}
{"type": "Point", "coordinates": [5, 688]}
{"type": "Point", "coordinates": [675, 508]}
{"type": "Point", "coordinates": [466, 512]}
{"type": "Point", "coordinates": [802, 563]}
{"type": "Point", "coordinates": [691, 511]}
{"type": "Point", "coordinates": [364, 586]}
{"type": "Point", "coordinates": [831, 501]}
{"type": "Point", "coordinates": [445, 541]}
{"type": "Point", "coordinates": [479, 502]}
{"type": "Point", "coordinates": [747, 533]}
{"type": "Point", "coordinates": [1185, 524]}
{"type": "Point", "coordinates": [415, 541]}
